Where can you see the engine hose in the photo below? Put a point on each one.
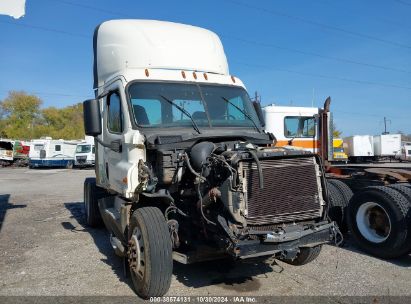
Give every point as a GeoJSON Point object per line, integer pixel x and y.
{"type": "Point", "coordinates": [201, 207]}
{"type": "Point", "coordinates": [187, 161]}
{"type": "Point", "coordinates": [260, 170]}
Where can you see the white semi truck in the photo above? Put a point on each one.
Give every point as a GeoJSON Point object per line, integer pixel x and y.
{"type": "Point", "coordinates": [184, 170]}
{"type": "Point", "coordinates": [85, 153]}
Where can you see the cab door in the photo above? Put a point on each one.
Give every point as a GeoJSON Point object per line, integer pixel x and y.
{"type": "Point", "coordinates": [113, 129]}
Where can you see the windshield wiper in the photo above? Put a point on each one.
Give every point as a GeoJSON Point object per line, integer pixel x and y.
{"type": "Point", "coordinates": [242, 111]}
{"type": "Point", "coordinates": [183, 111]}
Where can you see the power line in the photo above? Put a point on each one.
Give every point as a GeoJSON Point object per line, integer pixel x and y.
{"type": "Point", "coordinates": [403, 2]}
{"type": "Point", "coordinates": [325, 76]}
{"type": "Point", "coordinates": [253, 42]}
{"type": "Point", "coordinates": [45, 29]}
{"type": "Point", "coordinates": [321, 25]}
{"type": "Point", "coordinates": [260, 43]}
{"type": "Point", "coordinates": [94, 8]}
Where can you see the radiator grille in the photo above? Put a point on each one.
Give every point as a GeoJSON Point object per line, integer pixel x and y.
{"type": "Point", "coordinates": [290, 191]}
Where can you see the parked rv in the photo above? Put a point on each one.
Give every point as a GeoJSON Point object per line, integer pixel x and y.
{"type": "Point", "coordinates": [85, 153]}
{"type": "Point", "coordinates": [48, 152]}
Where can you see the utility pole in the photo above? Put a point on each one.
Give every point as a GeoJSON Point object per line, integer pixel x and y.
{"type": "Point", "coordinates": [385, 125]}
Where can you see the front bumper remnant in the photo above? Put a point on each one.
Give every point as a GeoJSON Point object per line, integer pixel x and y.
{"type": "Point", "coordinates": [288, 241]}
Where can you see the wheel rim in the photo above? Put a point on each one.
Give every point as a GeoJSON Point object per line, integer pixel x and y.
{"type": "Point", "coordinates": [136, 255]}
{"type": "Point", "coordinates": [373, 222]}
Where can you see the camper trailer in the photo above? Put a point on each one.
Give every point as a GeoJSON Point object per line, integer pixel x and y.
{"type": "Point", "coordinates": [48, 152]}
{"type": "Point", "coordinates": [85, 153]}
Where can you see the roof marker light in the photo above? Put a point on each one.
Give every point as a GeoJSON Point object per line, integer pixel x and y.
{"type": "Point", "coordinates": [205, 76]}
{"type": "Point", "coordinates": [233, 78]}
{"type": "Point", "coordinates": [194, 75]}
{"type": "Point", "coordinates": [183, 74]}
{"type": "Point", "coordinates": [147, 73]}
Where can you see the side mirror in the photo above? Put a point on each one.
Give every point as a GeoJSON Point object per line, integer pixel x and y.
{"type": "Point", "coordinates": [92, 117]}
{"type": "Point", "coordinates": [259, 111]}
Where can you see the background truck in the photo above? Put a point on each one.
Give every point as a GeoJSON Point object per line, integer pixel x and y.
{"type": "Point", "coordinates": [405, 154]}
{"type": "Point", "coordinates": [338, 151]}
{"type": "Point", "coordinates": [359, 148]}
{"type": "Point", "coordinates": [387, 146]}
{"type": "Point", "coordinates": [85, 153]}
{"type": "Point", "coordinates": [184, 170]}
{"type": "Point", "coordinates": [48, 152]}
{"type": "Point", "coordinates": [13, 152]}
{"type": "Point", "coordinates": [370, 201]}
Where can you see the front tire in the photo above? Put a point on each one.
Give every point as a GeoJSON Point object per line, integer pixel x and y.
{"type": "Point", "coordinates": [150, 252]}
{"type": "Point", "coordinates": [92, 193]}
{"type": "Point", "coordinates": [305, 256]}
{"type": "Point", "coordinates": [379, 221]}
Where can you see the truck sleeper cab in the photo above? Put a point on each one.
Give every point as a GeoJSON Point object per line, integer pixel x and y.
{"type": "Point", "coordinates": [184, 170]}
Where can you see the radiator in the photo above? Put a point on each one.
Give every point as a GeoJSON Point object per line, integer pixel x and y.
{"type": "Point", "coordinates": [291, 191]}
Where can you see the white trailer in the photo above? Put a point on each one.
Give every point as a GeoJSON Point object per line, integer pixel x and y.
{"type": "Point", "coordinates": [85, 153]}
{"type": "Point", "coordinates": [359, 147]}
{"type": "Point", "coordinates": [387, 145]}
{"type": "Point", "coordinates": [48, 152]}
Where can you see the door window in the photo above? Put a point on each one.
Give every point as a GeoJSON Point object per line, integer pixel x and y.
{"type": "Point", "coordinates": [114, 114]}
{"type": "Point", "coordinates": [298, 126]}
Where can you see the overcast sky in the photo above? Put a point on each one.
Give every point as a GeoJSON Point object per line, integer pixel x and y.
{"type": "Point", "coordinates": [292, 52]}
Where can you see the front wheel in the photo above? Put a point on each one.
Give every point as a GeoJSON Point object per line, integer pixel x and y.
{"type": "Point", "coordinates": [92, 193]}
{"type": "Point", "coordinates": [149, 252]}
{"type": "Point", "coordinates": [305, 256]}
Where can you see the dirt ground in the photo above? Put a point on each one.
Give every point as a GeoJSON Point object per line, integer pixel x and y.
{"type": "Point", "coordinates": [45, 249]}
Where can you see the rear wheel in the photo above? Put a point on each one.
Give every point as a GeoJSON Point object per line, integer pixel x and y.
{"type": "Point", "coordinates": [305, 256]}
{"type": "Point", "coordinates": [336, 205]}
{"type": "Point", "coordinates": [92, 193]}
{"type": "Point", "coordinates": [150, 252]}
{"type": "Point", "coordinates": [379, 221]}
{"type": "Point", "coordinates": [403, 189]}
{"type": "Point", "coordinates": [341, 195]}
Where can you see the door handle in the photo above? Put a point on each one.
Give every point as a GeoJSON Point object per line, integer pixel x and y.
{"type": "Point", "coordinates": [116, 146]}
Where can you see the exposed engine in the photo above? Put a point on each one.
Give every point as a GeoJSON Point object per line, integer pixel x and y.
{"type": "Point", "coordinates": [233, 192]}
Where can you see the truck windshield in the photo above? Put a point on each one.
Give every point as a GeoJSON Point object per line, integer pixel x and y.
{"type": "Point", "coordinates": [204, 103]}
{"type": "Point", "coordinates": [83, 148]}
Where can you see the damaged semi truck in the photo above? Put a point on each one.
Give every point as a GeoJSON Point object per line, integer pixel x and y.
{"type": "Point", "coordinates": [184, 170]}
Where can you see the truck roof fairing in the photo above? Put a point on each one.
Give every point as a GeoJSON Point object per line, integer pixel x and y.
{"type": "Point", "coordinates": [120, 45]}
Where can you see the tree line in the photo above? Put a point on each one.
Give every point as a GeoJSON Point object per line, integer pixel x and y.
{"type": "Point", "coordinates": [22, 117]}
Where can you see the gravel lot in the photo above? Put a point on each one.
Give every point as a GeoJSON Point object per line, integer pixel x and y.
{"type": "Point", "coordinates": [45, 249]}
